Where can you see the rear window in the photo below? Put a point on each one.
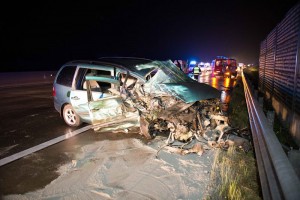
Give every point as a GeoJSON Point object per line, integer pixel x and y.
{"type": "Point", "coordinates": [65, 77]}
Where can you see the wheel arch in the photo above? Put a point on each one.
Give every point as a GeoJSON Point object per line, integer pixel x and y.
{"type": "Point", "coordinates": [62, 108]}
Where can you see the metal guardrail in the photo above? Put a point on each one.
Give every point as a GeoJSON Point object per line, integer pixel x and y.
{"type": "Point", "coordinates": [277, 176]}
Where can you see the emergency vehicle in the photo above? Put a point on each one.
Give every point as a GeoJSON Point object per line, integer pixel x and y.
{"type": "Point", "coordinates": [224, 66]}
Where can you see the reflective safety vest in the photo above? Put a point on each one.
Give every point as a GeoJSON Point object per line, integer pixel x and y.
{"type": "Point", "coordinates": [196, 70]}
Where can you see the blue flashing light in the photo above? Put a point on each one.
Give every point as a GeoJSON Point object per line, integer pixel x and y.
{"type": "Point", "coordinates": [222, 57]}
{"type": "Point", "coordinates": [193, 62]}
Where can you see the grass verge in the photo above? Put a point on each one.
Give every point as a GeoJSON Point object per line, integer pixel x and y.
{"type": "Point", "coordinates": [234, 176]}
{"type": "Point", "coordinates": [234, 173]}
{"type": "Point", "coordinates": [237, 111]}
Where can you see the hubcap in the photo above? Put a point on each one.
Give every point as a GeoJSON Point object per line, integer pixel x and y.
{"type": "Point", "coordinates": [70, 116]}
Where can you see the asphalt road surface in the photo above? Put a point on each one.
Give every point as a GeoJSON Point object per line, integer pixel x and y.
{"type": "Point", "coordinates": [28, 118]}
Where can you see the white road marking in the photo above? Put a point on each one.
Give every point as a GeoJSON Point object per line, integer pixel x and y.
{"type": "Point", "coordinates": [36, 148]}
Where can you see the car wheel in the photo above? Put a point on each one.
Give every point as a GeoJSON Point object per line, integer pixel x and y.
{"type": "Point", "coordinates": [70, 116]}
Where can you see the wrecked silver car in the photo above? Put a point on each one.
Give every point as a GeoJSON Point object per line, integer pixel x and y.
{"type": "Point", "coordinates": [121, 93]}
{"type": "Point", "coordinates": [153, 97]}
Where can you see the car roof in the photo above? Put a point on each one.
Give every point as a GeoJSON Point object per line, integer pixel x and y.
{"type": "Point", "coordinates": [128, 63]}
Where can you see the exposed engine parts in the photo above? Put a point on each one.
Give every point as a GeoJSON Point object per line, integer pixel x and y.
{"type": "Point", "coordinates": [203, 121]}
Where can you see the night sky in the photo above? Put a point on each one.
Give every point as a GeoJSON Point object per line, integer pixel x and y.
{"type": "Point", "coordinates": [45, 34]}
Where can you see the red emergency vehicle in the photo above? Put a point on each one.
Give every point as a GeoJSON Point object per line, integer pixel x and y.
{"type": "Point", "coordinates": [224, 66]}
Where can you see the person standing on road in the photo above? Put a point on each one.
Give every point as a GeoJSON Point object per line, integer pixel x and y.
{"type": "Point", "coordinates": [196, 72]}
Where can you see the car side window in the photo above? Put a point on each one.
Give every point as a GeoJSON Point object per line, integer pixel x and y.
{"type": "Point", "coordinates": [96, 86]}
{"type": "Point", "coordinates": [65, 77]}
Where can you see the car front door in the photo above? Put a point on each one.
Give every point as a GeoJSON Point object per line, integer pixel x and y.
{"type": "Point", "coordinates": [108, 111]}
{"type": "Point", "coordinates": [97, 104]}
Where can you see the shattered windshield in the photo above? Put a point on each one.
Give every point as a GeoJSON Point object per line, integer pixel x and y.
{"type": "Point", "coordinates": [168, 73]}
{"type": "Point", "coordinates": [171, 80]}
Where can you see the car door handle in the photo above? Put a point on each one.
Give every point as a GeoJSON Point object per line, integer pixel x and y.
{"type": "Point", "coordinates": [75, 98]}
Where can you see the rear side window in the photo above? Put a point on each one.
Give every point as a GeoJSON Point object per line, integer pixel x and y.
{"type": "Point", "coordinates": [65, 77]}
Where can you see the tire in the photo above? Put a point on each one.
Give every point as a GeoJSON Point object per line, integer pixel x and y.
{"type": "Point", "coordinates": [70, 116]}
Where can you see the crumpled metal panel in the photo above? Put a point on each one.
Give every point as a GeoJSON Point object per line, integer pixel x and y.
{"type": "Point", "coordinates": [191, 91]}
{"type": "Point", "coordinates": [168, 73]}
{"type": "Point", "coordinates": [129, 120]}
{"type": "Point", "coordinates": [106, 110]}
{"type": "Point", "coordinates": [171, 80]}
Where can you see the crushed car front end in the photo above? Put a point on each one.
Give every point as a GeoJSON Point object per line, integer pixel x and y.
{"type": "Point", "coordinates": [166, 100]}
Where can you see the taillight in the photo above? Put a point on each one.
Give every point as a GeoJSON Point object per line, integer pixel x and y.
{"type": "Point", "coordinates": [53, 92]}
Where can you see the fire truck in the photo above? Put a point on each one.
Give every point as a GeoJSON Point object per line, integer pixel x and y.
{"type": "Point", "coordinates": [224, 66]}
